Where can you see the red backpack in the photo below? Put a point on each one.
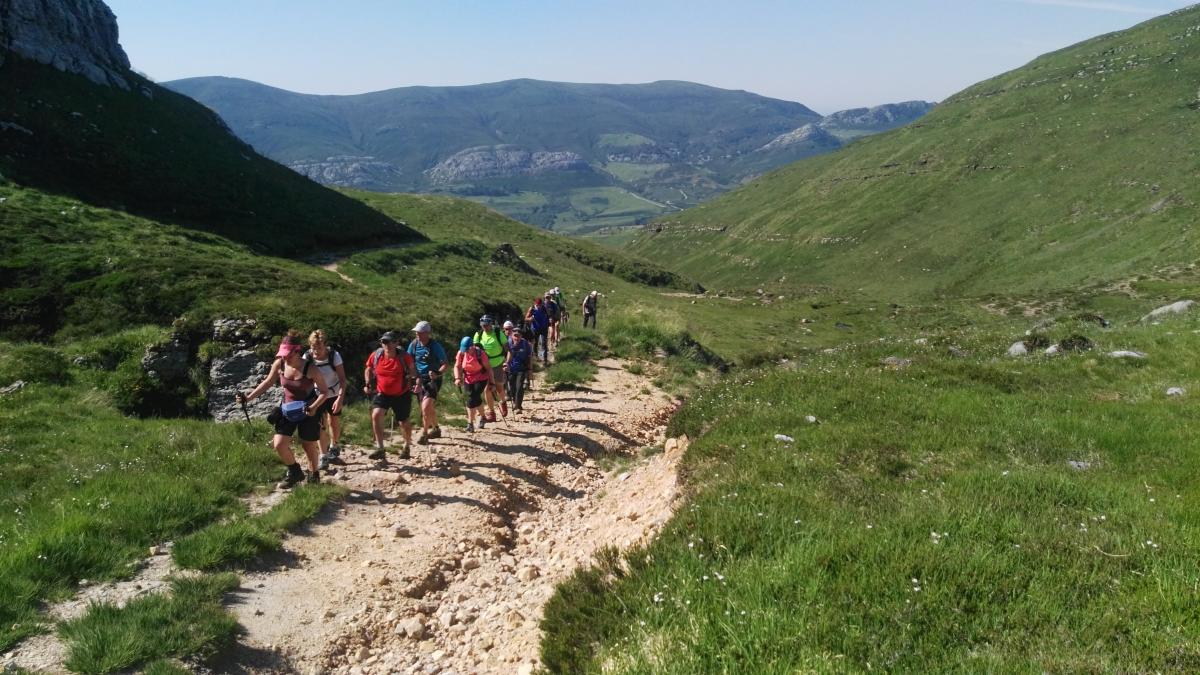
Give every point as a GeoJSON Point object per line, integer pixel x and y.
{"type": "Point", "coordinates": [475, 360]}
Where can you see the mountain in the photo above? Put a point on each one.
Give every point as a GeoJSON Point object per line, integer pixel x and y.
{"type": "Point", "coordinates": [571, 157]}
{"type": "Point", "coordinates": [1078, 168]}
{"type": "Point", "coordinates": [856, 122]}
{"type": "Point", "coordinates": [74, 119]}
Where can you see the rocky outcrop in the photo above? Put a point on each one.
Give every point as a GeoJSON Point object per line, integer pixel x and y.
{"type": "Point", "coordinates": [366, 173]}
{"type": "Point", "coordinates": [169, 361]}
{"type": "Point", "coordinates": [75, 36]}
{"type": "Point", "coordinates": [502, 161]}
{"type": "Point", "coordinates": [877, 119]}
{"type": "Point", "coordinates": [240, 371]}
{"type": "Point", "coordinates": [809, 133]}
{"type": "Point", "coordinates": [507, 256]}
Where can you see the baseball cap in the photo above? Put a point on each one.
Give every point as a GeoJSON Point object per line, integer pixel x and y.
{"type": "Point", "coordinates": [422, 327]}
{"type": "Point", "coordinates": [509, 324]}
{"type": "Point", "coordinates": [388, 337]}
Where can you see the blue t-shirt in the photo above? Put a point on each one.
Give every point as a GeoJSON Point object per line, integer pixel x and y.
{"type": "Point", "coordinates": [428, 357]}
{"type": "Point", "coordinates": [539, 319]}
{"type": "Point", "coordinates": [520, 356]}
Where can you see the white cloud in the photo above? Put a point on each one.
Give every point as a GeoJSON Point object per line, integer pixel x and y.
{"type": "Point", "coordinates": [1097, 5]}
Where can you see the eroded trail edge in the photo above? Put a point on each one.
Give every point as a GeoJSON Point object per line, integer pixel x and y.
{"type": "Point", "coordinates": [443, 563]}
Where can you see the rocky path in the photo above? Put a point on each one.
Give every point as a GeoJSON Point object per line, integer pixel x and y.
{"type": "Point", "coordinates": [443, 563]}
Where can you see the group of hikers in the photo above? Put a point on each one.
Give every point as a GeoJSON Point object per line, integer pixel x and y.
{"type": "Point", "coordinates": [315, 385]}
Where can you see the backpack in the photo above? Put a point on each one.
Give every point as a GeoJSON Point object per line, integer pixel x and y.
{"type": "Point", "coordinates": [478, 339]}
{"type": "Point", "coordinates": [475, 360]}
{"type": "Point", "coordinates": [412, 346]}
{"type": "Point", "coordinates": [409, 376]}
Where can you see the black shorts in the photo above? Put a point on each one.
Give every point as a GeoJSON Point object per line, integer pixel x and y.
{"type": "Point", "coordinates": [430, 387]}
{"type": "Point", "coordinates": [310, 428]}
{"type": "Point", "coordinates": [474, 392]}
{"type": "Point", "coordinates": [400, 405]}
{"type": "Point", "coordinates": [327, 408]}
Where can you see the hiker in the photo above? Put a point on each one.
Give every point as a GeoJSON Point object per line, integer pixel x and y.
{"type": "Point", "coordinates": [430, 358]}
{"type": "Point", "coordinates": [390, 375]}
{"type": "Point", "coordinates": [562, 308]}
{"type": "Point", "coordinates": [494, 344]}
{"type": "Point", "coordinates": [553, 309]}
{"type": "Point", "coordinates": [538, 321]}
{"type": "Point", "coordinates": [589, 308]}
{"type": "Point", "coordinates": [518, 366]}
{"type": "Point", "coordinates": [329, 361]}
{"type": "Point", "coordinates": [304, 393]}
{"type": "Point", "coordinates": [472, 372]}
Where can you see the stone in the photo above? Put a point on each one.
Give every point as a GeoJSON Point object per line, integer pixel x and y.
{"type": "Point", "coordinates": [957, 352]}
{"type": "Point", "coordinates": [671, 445]}
{"type": "Point", "coordinates": [447, 619]}
{"type": "Point", "coordinates": [470, 563]}
{"type": "Point", "coordinates": [528, 574]}
{"type": "Point", "coordinates": [895, 362]}
{"type": "Point", "coordinates": [170, 360]}
{"type": "Point", "coordinates": [412, 628]}
{"type": "Point", "coordinates": [78, 37]}
{"type": "Point", "coordinates": [239, 372]}
{"type": "Point", "coordinates": [1127, 354]}
{"type": "Point", "coordinates": [401, 532]}
{"type": "Point", "coordinates": [784, 438]}
{"type": "Point", "coordinates": [811, 419]}
{"type": "Point", "coordinates": [1079, 465]}
{"type": "Point", "coordinates": [156, 550]}
{"type": "Point", "coordinates": [514, 619]}
{"type": "Point", "coordinates": [1076, 343]}
{"type": "Point", "coordinates": [1166, 310]}
{"type": "Point", "coordinates": [13, 388]}
{"type": "Point", "coordinates": [1017, 349]}
{"type": "Point", "coordinates": [362, 654]}
{"type": "Point", "coordinates": [1176, 391]}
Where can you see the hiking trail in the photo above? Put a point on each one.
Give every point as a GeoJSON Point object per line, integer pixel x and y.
{"type": "Point", "coordinates": [443, 563]}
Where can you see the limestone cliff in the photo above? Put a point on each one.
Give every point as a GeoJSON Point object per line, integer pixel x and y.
{"type": "Point", "coordinates": [76, 36]}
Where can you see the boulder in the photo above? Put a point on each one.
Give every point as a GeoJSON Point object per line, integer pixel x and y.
{"type": "Point", "coordinates": [1076, 343]}
{"type": "Point", "coordinates": [1176, 391]}
{"type": "Point", "coordinates": [13, 388]}
{"type": "Point", "coordinates": [1017, 349]}
{"type": "Point", "coordinates": [241, 371]}
{"type": "Point", "coordinates": [1166, 310]}
{"type": "Point", "coordinates": [169, 361]}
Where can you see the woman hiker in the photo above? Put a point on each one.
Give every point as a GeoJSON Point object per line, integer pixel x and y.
{"type": "Point", "coordinates": [390, 376]}
{"type": "Point", "coordinates": [589, 308]}
{"type": "Point", "coordinates": [304, 393]}
{"type": "Point", "coordinates": [494, 344]}
{"type": "Point", "coordinates": [473, 372]}
{"type": "Point", "coordinates": [329, 361]}
{"type": "Point", "coordinates": [518, 367]}
{"type": "Point", "coordinates": [431, 365]}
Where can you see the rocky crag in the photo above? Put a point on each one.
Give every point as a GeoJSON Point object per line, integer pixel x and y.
{"type": "Point", "coordinates": [503, 161]}
{"type": "Point", "coordinates": [75, 36]}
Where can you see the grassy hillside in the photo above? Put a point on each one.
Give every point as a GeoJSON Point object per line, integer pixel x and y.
{"type": "Point", "coordinates": [156, 153]}
{"type": "Point", "coordinates": [1076, 169]}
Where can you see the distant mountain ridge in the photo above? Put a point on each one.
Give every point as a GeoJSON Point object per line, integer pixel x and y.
{"type": "Point", "coordinates": [1076, 169]}
{"type": "Point", "coordinates": [552, 153]}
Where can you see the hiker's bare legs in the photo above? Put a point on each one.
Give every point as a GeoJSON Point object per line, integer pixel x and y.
{"type": "Point", "coordinates": [312, 450]}
{"type": "Point", "coordinates": [406, 426]}
{"type": "Point", "coordinates": [283, 448]}
{"type": "Point", "coordinates": [377, 415]}
{"type": "Point", "coordinates": [335, 429]}
{"type": "Point", "coordinates": [428, 415]}
{"type": "Point", "coordinates": [325, 433]}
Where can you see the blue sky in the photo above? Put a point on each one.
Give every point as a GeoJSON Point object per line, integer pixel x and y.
{"type": "Point", "coordinates": [829, 54]}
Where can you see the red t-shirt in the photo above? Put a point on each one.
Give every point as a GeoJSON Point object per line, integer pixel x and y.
{"type": "Point", "coordinates": [390, 376]}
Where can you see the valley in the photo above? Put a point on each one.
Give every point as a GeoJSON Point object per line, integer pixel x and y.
{"type": "Point", "coordinates": [901, 388]}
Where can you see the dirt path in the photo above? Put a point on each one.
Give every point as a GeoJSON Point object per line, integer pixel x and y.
{"type": "Point", "coordinates": [443, 563]}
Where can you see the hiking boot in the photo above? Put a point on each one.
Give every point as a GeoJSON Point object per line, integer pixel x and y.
{"type": "Point", "coordinates": [503, 409]}
{"type": "Point", "coordinates": [313, 478]}
{"type": "Point", "coordinates": [470, 428]}
{"type": "Point", "coordinates": [435, 432]}
{"type": "Point", "coordinates": [423, 439]}
{"type": "Point", "coordinates": [379, 453]}
{"type": "Point", "coordinates": [491, 416]}
{"type": "Point", "coordinates": [324, 463]}
{"type": "Point", "coordinates": [482, 423]}
{"type": "Point", "coordinates": [293, 476]}
{"type": "Point", "coordinates": [335, 455]}
{"type": "Point", "coordinates": [406, 454]}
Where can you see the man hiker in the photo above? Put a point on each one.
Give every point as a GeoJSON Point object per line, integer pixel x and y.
{"type": "Point", "coordinates": [518, 366]}
{"type": "Point", "coordinates": [431, 362]}
{"type": "Point", "coordinates": [304, 392]}
{"type": "Point", "coordinates": [472, 372]}
{"type": "Point", "coordinates": [553, 310]}
{"type": "Point", "coordinates": [589, 308]}
{"type": "Point", "coordinates": [329, 362]}
{"type": "Point", "coordinates": [494, 344]}
{"type": "Point", "coordinates": [390, 376]}
{"type": "Point", "coordinates": [539, 323]}
{"type": "Point", "coordinates": [562, 309]}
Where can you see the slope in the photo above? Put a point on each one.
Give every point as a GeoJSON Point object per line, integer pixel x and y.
{"type": "Point", "coordinates": [150, 151]}
{"type": "Point", "coordinates": [1075, 169]}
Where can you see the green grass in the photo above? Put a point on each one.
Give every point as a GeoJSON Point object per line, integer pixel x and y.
{"type": "Point", "coordinates": [1068, 172]}
{"type": "Point", "coordinates": [593, 208]}
{"type": "Point", "coordinates": [190, 620]}
{"type": "Point", "coordinates": [631, 172]}
{"type": "Point", "coordinates": [574, 361]}
{"type": "Point", "coordinates": [239, 541]}
{"type": "Point", "coordinates": [800, 556]}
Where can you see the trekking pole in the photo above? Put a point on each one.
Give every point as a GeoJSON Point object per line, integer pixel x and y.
{"type": "Point", "coordinates": [242, 400]}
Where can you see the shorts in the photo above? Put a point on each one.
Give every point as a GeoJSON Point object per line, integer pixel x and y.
{"type": "Point", "coordinates": [498, 373]}
{"type": "Point", "coordinates": [327, 408]}
{"type": "Point", "coordinates": [310, 428]}
{"type": "Point", "coordinates": [430, 388]}
{"type": "Point", "coordinates": [399, 404]}
{"type": "Point", "coordinates": [474, 392]}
